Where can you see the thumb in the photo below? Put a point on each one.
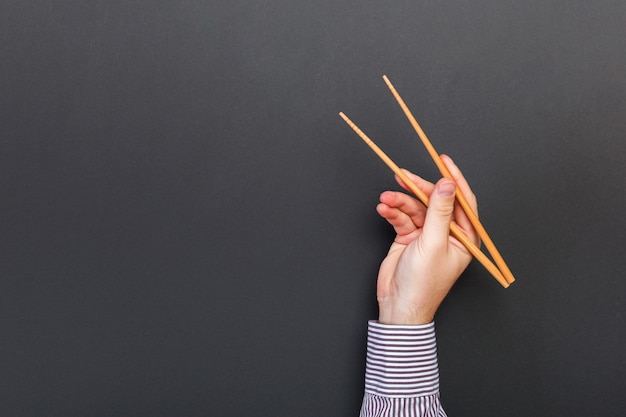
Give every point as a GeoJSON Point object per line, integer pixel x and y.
{"type": "Point", "coordinates": [439, 214]}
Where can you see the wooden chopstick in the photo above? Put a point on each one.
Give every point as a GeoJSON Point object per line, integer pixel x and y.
{"type": "Point", "coordinates": [473, 218]}
{"type": "Point", "coordinates": [455, 230]}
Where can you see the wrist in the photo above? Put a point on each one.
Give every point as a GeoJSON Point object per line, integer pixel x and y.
{"type": "Point", "coordinates": [400, 313]}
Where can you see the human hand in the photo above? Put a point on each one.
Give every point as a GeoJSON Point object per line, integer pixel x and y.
{"type": "Point", "coordinates": [424, 261]}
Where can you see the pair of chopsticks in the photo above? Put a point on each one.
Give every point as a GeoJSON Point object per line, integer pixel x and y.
{"type": "Point", "coordinates": [500, 272]}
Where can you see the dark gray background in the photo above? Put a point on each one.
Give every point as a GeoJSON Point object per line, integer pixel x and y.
{"type": "Point", "coordinates": [187, 228]}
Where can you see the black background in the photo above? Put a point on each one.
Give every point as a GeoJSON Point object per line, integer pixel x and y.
{"type": "Point", "coordinates": [188, 227]}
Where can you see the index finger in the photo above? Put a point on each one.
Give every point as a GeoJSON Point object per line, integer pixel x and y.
{"type": "Point", "coordinates": [426, 186]}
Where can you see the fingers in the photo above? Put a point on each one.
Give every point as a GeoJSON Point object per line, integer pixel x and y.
{"type": "Point", "coordinates": [404, 213]}
{"type": "Point", "coordinates": [427, 187]}
{"type": "Point", "coordinates": [407, 215]}
{"type": "Point", "coordinates": [437, 223]}
{"type": "Point", "coordinates": [406, 204]}
{"type": "Point", "coordinates": [422, 184]}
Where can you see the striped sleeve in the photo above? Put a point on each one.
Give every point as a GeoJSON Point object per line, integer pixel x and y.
{"type": "Point", "coordinates": [402, 375]}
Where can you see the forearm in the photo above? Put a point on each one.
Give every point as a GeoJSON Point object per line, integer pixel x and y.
{"type": "Point", "coordinates": [402, 375]}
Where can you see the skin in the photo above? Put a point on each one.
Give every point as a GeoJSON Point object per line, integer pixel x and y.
{"type": "Point", "coordinates": [424, 261]}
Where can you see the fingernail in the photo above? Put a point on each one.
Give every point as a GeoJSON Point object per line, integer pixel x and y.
{"type": "Point", "coordinates": [446, 189]}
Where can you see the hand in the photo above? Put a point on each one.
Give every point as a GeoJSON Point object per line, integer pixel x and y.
{"type": "Point", "coordinates": [424, 261]}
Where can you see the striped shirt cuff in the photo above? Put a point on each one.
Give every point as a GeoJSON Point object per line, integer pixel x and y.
{"type": "Point", "coordinates": [401, 361]}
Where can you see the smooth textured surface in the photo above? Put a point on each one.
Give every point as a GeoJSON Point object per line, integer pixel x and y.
{"type": "Point", "coordinates": [187, 227]}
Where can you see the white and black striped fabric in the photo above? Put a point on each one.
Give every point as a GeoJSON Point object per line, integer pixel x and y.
{"type": "Point", "coordinates": [402, 375]}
